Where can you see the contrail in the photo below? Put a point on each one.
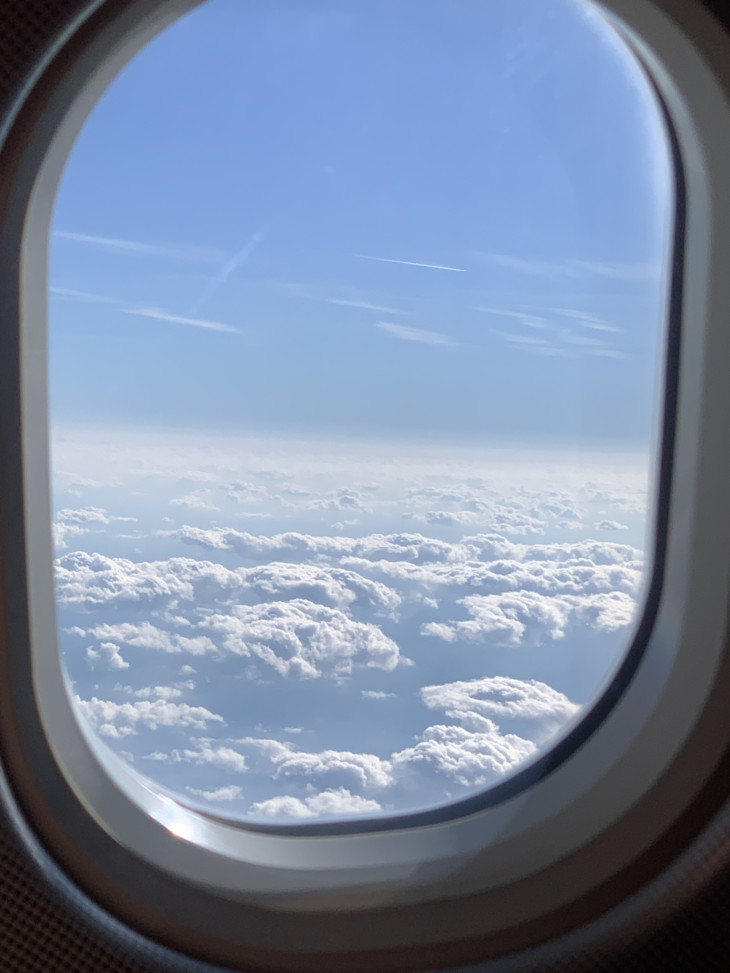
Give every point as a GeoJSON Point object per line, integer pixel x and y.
{"type": "Point", "coordinates": [157, 314]}
{"type": "Point", "coordinates": [227, 269]}
{"type": "Point", "coordinates": [412, 263]}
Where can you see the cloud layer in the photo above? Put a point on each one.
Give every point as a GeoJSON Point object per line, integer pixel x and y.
{"type": "Point", "coordinates": [271, 642]}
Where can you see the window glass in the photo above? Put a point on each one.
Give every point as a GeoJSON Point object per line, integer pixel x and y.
{"type": "Point", "coordinates": [356, 318]}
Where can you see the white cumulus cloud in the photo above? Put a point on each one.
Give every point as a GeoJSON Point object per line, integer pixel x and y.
{"type": "Point", "coordinates": [330, 803]}
{"type": "Point", "coordinates": [117, 720]}
{"type": "Point", "coordinates": [230, 792]}
{"type": "Point", "coordinates": [303, 639]}
{"type": "Point", "coordinates": [108, 654]}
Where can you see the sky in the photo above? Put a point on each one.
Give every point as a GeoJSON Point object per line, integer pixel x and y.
{"type": "Point", "coordinates": [355, 333]}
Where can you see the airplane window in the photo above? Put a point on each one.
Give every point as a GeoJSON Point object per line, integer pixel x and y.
{"type": "Point", "coordinates": [388, 418]}
{"type": "Point", "coordinates": [356, 326]}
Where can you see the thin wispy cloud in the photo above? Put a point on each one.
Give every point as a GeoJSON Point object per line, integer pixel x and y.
{"type": "Point", "coordinates": [231, 264]}
{"type": "Point", "coordinates": [412, 263]}
{"type": "Point", "coordinates": [587, 320]}
{"type": "Point", "coordinates": [405, 333]}
{"type": "Point", "coordinates": [84, 296]}
{"type": "Point", "coordinates": [157, 314]}
{"type": "Point", "coordinates": [534, 346]}
{"type": "Point", "coordinates": [575, 268]}
{"type": "Point", "coordinates": [566, 344]}
{"type": "Point", "coordinates": [313, 293]}
{"type": "Point", "coordinates": [581, 340]}
{"type": "Point", "coordinates": [525, 340]}
{"type": "Point", "coordinates": [524, 317]}
{"type": "Point", "coordinates": [138, 248]}
{"type": "Point", "coordinates": [380, 308]}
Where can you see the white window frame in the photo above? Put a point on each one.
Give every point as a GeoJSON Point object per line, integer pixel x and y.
{"type": "Point", "coordinates": [602, 814]}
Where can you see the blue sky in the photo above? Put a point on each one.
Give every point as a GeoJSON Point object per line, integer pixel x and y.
{"type": "Point", "coordinates": [250, 165]}
{"type": "Point", "coordinates": [356, 312]}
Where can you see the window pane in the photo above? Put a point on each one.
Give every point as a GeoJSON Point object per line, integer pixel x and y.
{"type": "Point", "coordinates": [356, 320]}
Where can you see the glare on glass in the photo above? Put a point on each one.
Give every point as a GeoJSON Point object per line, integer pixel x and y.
{"type": "Point", "coordinates": [356, 319]}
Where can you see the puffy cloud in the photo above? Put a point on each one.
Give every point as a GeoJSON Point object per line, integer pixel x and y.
{"type": "Point", "coordinates": [506, 619]}
{"type": "Point", "coordinates": [606, 612]}
{"type": "Point", "coordinates": [450, 517]}
{"type": "Point", "coordinates": [282, 806]}
{"type": "Point", "coordinates": [475, 751]}
{"type": "Point", "coordinates": [301, 635]}
{"type": "Point", "coordinates": [521, 512]}
{"type": "Point", "coordinates": [230, 792]}
{"type": "Point", "coordinates": [197, 500]}
{"type": "Point", "coordinates": [475, 560]}
{"type": "Point", "coordinates": [341, 500]}
{"type": "Point", "coordinates": [498, 723]}
{"type": "Point", "coordinates": [145, 635]}
{"type": "Point", "coordinates": [507, 521]}
{"type": "Point", "coordinates": [330, 803]}
{"type": "Point", "coordinates": [159, 692]}
{"type": "Point", "coordinates": [479, 752]}
{"type": "Point", "coordinates": [610, 525]}
{"type": "Point", "coordinates": [79, 521]}
{"type": "Point", "coordinates": [361, 771]}
{"type": "Point", "coordinates": [295, 546]}
{"type": "Point", "coordinates": [468, 759]}
{"type": "Point", "coordinates": [117, 720]}
{"type": "Point", "coordinates": [595, 552]}
{"type": "Point", "coordinates": [303, 639]}
{"type": "Point", "coordinates": [224, 757]}
{"type": "Point", "coordinates": [277, 760]}
{"type": "Point", "coordinates": [215, 538]}
{"type": "Point", "coordinates": [476, 703]}
{"type": "Point", "coordinates": [530, 618]}
{"type": "Point", "coordinates": [83, 515]}
{"type": "Point", "coordinates": [331, 586]}
{"type": "Point", "coordinates": [302, 605]}
{"type": "Point", "coordinates": [109, 654]}
{"type": "Point", "coordinates": [245, 492]}
{"type": "Point", "coordinates": [62, 533]}
{"type": "Point", "coordinates": [627, 499]}
{"type": "Point", "coordinates": [94, 579]}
